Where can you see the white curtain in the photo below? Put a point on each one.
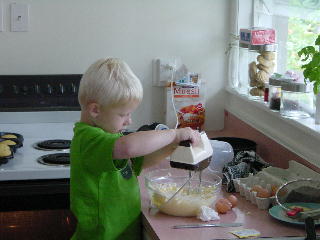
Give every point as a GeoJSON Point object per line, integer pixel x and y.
{"type": "Point", "coordinates": [233, 48]}
{"type": "Point", "coordinates": [304, 9]}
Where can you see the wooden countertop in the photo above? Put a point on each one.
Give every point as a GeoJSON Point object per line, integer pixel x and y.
{"type": "Point", "coordinates": [159, 226]}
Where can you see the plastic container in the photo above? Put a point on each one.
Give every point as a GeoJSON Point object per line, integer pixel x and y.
{"type": "Point", "coordinates": [222, 154]}
{"type": "Point", "coordinates": [238, 144]}
{"type": "Point", "coordinates": [275, 94]}
{"type": "Point", "coordinates": [271, 179]}
{"type": "Point", "coordinates": [296, 100]}
{"type": "Point", "coordinates": [244, 187]}
{"type": "Point", "coordinates": [262, 64]}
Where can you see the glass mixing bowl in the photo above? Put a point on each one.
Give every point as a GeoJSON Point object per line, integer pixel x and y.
{"type": "Point", "coordinates": [303, 194]}
{"type": "Point", "coordinates": [162, 184]}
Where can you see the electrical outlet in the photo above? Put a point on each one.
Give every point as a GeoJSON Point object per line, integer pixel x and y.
{"type": "Point", "coordinates": [19, 17]}
{"type": "Point", "coordinates": [163, 71]}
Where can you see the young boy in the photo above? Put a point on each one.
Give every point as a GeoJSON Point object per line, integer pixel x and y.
{"type": "Point", "coordinates": [104, 192]}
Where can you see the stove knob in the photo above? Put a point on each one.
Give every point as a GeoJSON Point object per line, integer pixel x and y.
{"type": "Point", "coordinates": [61, 88]}
{"type": "Point", "coordinates": [50, 89]}
{"type": "Point", "coordinates": [24, 90]}
{"type": "Point", "coordinates": [73, 88]}
{"type": "Point", "coordinates": [15, 89]}
{"type": "Point", "coordinates": [37, 89]}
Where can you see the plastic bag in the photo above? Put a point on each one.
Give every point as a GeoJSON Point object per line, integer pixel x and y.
{"type": "Point", "coordinates": [189, 104]}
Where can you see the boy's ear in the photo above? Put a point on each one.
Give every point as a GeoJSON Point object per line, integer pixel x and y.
{"type": "Point", "coordinates": [94, 109]}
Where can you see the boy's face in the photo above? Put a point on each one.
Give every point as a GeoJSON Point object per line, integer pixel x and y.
{"type": "Point", "coordinates": [115, 119]}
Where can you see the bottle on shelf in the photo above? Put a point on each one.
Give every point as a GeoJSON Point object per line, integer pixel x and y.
{"type": "Point", "coordinates": [274, 93]}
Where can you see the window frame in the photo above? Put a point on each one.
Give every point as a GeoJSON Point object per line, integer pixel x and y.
{"type": "Point", "coordinates": [301, 136]}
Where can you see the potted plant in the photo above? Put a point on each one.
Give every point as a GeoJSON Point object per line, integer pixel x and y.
{"type": "Point", "coordinates": [311, 72]}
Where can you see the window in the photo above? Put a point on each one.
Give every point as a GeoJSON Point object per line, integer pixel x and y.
{"type": "Point", "coordinates": [297, 24]}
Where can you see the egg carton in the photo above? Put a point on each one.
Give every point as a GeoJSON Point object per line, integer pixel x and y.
{"type": "Point", "coordinates": [244, 186]}
{"type": "Point", "coordinates": [269, 178]}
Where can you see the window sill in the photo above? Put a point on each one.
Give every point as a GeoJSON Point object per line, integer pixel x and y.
{"type": "Point", "coordinates": [301, 136]}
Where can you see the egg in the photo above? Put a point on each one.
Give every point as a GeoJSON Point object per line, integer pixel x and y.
{"type": "Point", "coordinates": [256, 188]}
{"type": "Point", "coordinates": [274, 189]}
{"type": "Point", "coordinates": [263, 193]}
{"type": "Point", "coordinates": [233, 200]}
{"type": "Point", "coordinates": [226, 201]}
{"type": "Point", "coordinates": [222, 207]}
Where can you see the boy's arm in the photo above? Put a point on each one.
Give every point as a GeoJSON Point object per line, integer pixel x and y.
{"type": "Point", "coordinates": [157, 156]}
{"type": "Point", "coordinates": [146, 142]}
{"type": "Point", "coordinates": [143, 143]}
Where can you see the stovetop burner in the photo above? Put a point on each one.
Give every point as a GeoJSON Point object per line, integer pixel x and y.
{"type": "Point", "coordinates": [55, 159]}
{"type": "Point", "coordinates": [55, 144]}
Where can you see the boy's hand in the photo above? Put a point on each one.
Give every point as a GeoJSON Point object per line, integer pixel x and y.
{"type": "Point", "coordinates": [187, 134]}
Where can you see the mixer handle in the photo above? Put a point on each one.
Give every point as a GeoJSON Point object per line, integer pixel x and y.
{"type": "Point", "coordinates": [185, 143]}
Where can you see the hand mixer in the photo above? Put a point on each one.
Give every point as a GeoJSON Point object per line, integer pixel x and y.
{"type": "Point", "coordinates": [192, 158]}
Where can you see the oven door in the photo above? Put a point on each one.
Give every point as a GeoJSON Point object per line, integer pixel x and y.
{"type": "Point", "coordinates": [34, 194]}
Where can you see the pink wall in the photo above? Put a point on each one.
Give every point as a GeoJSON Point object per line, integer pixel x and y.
{"type": "Point", "coordinates": [268, 149]}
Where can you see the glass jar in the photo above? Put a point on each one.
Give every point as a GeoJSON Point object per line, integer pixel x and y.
{"type": "Point", "coordinates": [262, 64]}
{"type": "Point", "coordinates": [296, 100]}
{"type": "Point", "coordinates": [243, 65]}
{"type": "Point", "coordinates": [274, 94]}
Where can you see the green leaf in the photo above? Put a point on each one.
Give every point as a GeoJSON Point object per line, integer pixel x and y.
{"type": "Point", "coordinates": [311, 70]}
{"type": "Point", "coordinates": [314, 76]}
{"type": "Point", "coordinates": [315, 61]}
{"type": "Point", "coordinates": [307, 52]}
{"type": "Point", "coordinates": [317, 42]}
{"type": "Point", "coordinates": [316, 87]}
{"type": "Point", "coordinates": [306, 73]}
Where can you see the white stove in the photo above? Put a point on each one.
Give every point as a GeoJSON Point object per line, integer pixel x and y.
{"type": "Point", "coordinates": [38, 107]}
{"type": "Point", "coordinates": [25, 165]}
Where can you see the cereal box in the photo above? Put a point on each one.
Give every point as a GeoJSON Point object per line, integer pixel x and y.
{"type": "Point", "coordinates": [189, 106]}
{"type": "Point", "coordinates": [257, 36]}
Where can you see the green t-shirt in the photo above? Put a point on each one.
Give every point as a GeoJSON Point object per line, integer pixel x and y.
{"type": "Point", "coordinates": [104, 193]}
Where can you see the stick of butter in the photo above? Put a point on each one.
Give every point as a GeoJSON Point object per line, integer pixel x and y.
{"type": "Point", "coordinates": [244, 233]}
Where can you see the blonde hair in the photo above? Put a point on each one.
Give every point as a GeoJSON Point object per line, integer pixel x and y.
{"type": "Point", "coordinates": [109, 82]}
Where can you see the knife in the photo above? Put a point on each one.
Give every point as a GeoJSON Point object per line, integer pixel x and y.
{"type": "Point", "coordinates": [207, 225]}
{"type": "Point", "coordinates": [269, 238]}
